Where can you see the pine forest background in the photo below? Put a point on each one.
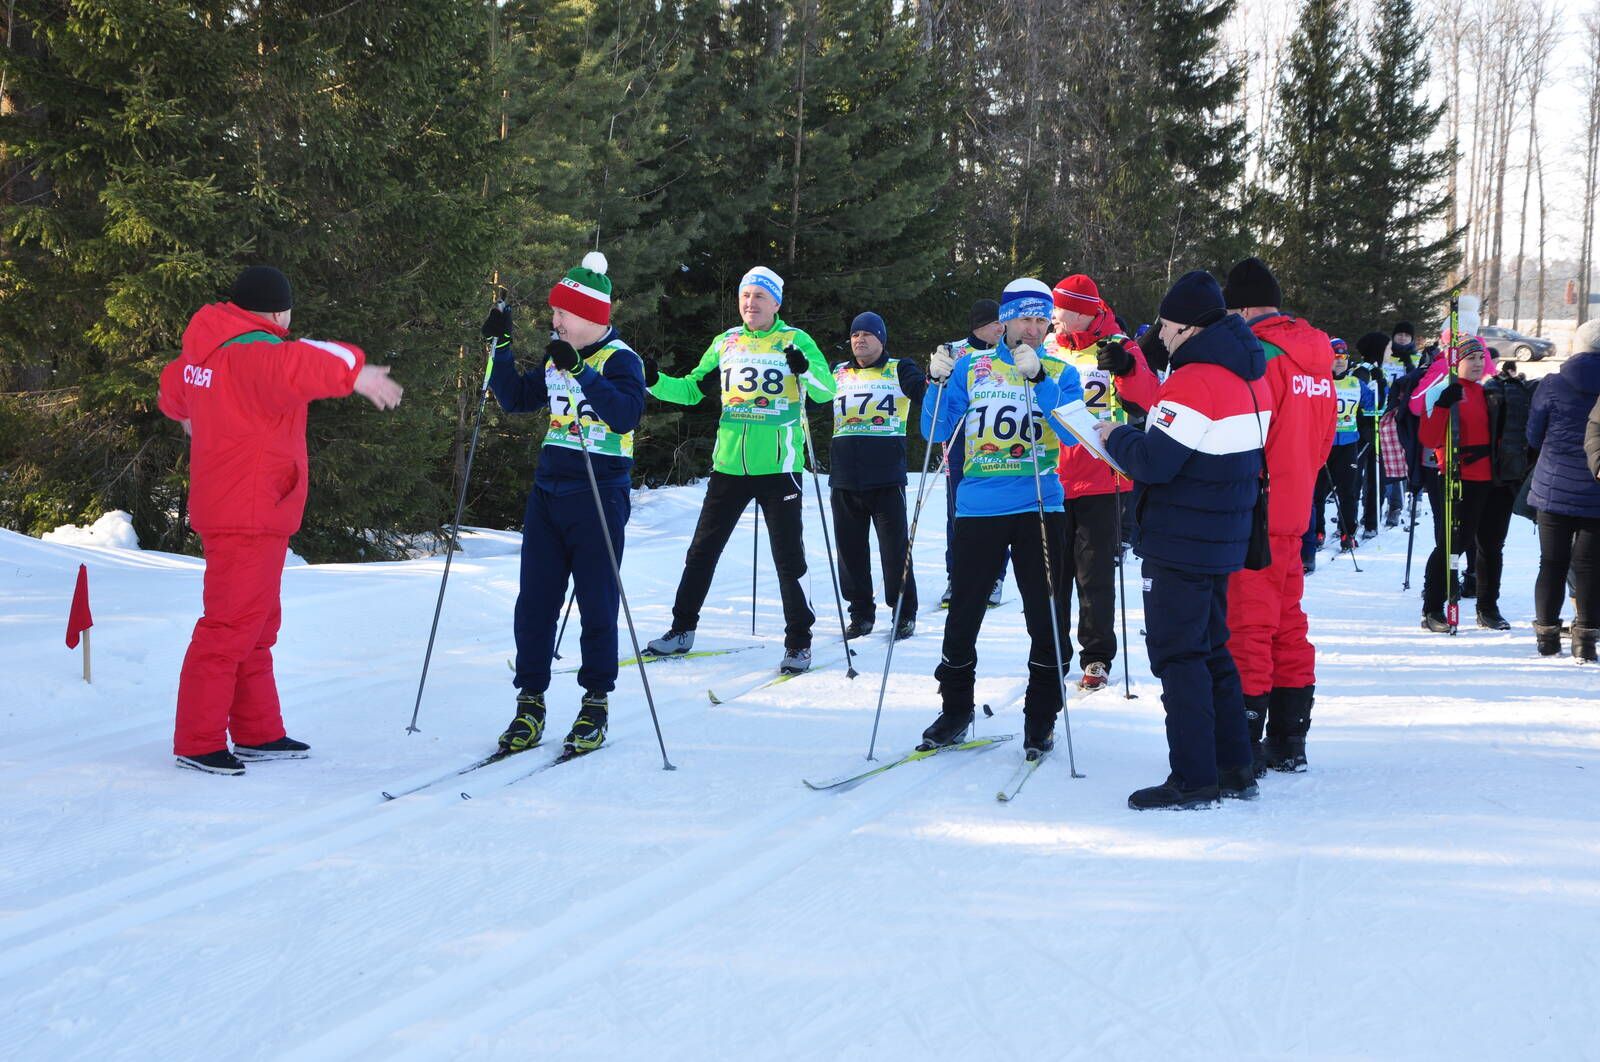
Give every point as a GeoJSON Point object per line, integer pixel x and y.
{"type": "Point", "coordinates": [400, 159]}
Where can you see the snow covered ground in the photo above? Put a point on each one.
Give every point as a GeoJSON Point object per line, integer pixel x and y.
{"type": "Point", "coordinates": [1430, 889]}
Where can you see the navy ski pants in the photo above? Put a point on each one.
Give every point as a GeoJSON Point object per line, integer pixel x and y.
{"type": "Point", "coordinates": [562, 539]}
{"type": "Point", "coordinates": [1186, 626]}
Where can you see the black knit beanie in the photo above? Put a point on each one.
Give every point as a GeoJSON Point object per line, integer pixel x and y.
{"type": "Point", "coordinates": [1251, 283]}
{"type": "Point", "coordinates": [262, 289]}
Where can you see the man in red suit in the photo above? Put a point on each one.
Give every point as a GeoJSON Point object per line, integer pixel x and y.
{"type": "Point", "coordinates": [1277, 662]}
{"type": "Point", "coordinates": [240, 389]}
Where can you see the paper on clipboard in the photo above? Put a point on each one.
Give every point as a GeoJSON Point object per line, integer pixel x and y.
{"type": "Point", "coordinates": [1077, 419]}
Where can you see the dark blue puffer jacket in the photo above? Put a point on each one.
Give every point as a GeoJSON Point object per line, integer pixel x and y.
{"type": "Point", "coordinates": [1197, 463]}
{"type": "Point", "coordinates": [1561, 480]}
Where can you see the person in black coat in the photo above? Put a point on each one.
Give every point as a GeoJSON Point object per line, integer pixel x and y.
{"type": "Point", "coordinates": [1567, 495]}
{"type": "Point", "coordinates": [868, 481]}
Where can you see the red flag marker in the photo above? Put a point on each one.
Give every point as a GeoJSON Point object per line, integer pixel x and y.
{"type": "Point", "coordinates": [79, 620]}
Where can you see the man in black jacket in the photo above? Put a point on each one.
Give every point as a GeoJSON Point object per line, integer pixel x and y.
{"type": "Point", "coordinates": [870, 413]}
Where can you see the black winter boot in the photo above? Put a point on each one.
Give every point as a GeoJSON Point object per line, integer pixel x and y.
{"type": "Point", "coordinates": [1583, 649]}
{"type": "Point", "coordinates": [1172, 795]}
{"type": "Point", "coordinates": [1547, 636]}
{"type": "Point", "coordinates": [1288, 720]}
{"type": "Point", "coordinates": [949, 728]}
{"type": "Point", "coordinates": [1255, 717]}
{"type": "Point", "coordinates": [1237, 783]}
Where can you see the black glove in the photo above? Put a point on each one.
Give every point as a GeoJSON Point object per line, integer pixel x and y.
{"type": "Point", "coordinates": [652, 371]}
{"type": "Point", "coordinates": [1450, 395]}
{"type": "Point", "coordinates": [798, 362]}
{"type": "Point", "coordinates": [563, 354]}
{"type": "Point", "coordinates": [497, 326]}
{"type": "Point", "coordinates": [1111, 356]}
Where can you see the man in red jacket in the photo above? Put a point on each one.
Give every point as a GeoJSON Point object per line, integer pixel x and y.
{"type": "Point", "coordinates": [1116, 379]}
{"type": "Point", "coordinates": [240, 390]}
{"type": "Point", "coordinates": [1277, 662]}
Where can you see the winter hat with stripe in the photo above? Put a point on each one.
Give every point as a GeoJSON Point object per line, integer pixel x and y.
{"type": "Point", "coordinates": [1078, 294]}
{"type": "Point", "coordinates": [1025, 297]}
{"type": "Point", "coordinates": [765, 279]}
{"type": "Point", "coordinates": [586, 290]}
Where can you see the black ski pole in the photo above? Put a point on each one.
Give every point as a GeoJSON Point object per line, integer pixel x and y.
{"type": "Point", "coordinates": [905, 571]}
{"type": "Point", "coordinates": [455, 527]}
{"type": "Point", "coordinates": [827, 539]}
{"type": "Point", "coordinates": [616, 573]}
{"type": "Point", "coordinates": [1049, 576]}
{"type": "Point", "coordinates": [1411, 536]}
{"type": "Point", "coordinates": [1122, 590]}
{"type": "Point", "coordinates": [562, 633]}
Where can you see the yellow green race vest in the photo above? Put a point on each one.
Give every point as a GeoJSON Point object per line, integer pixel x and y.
{"type": "Point", "coordinates": [757, 386]}
{"type": "Point", "coordinates": [1347, 395]}
{"type": "Point", "coordinates": [869, 401]}
{"type": "Point", "coordinates": [569, 409]}
{"type": "Point", "coordinates": [1099, 386]}
{"type": "Point", "coordinates": [1000, 423]}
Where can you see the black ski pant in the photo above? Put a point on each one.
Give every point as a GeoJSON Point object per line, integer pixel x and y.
{"type": "Point", "coordinates": [1091, 537]}
{"type": "Point", "coordinates": [981, 543]}
{"type": "Point", "coordinates": [1467, 510]}
{"type": "Point", "coordinates": [882, 509]}
{"type": "Point", "coordinates": [1339, 478]}
{"type": "Point", "coordinates": [782, 500]}
{"type": "Point", "coordinates": [1493, 525]}
{"type": "Point", "coordinates": [1568, 542]}
{"type": "Point", "coordinates": [1186, 633]}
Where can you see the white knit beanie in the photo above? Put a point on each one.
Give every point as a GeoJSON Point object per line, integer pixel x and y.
{"type": "Point", "coordinates": [1587, 336]}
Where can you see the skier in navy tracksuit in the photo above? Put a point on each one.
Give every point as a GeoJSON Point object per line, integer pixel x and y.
{"type": "Point", "coordinates": [1197, 465]}
{"type": "Point", "coordinates": [590, 380]}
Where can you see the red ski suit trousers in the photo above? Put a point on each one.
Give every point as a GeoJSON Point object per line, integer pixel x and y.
{"type": "Point", "coordinates": [1267, 625]}
{"type": "Point", "coordinates": [227, 683]}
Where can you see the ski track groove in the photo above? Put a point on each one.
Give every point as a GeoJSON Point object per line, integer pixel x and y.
{"type": "Point", "coordinates": [667, 899]}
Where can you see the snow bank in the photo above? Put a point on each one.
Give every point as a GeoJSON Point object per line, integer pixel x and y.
{"type": "Point", "coordinates": [114, 530]}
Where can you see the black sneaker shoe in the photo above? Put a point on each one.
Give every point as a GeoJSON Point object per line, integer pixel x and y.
{"type": "Point", "coordinates": [589, 729]}
{"type": "Point", "coordinates": [219, 762]}
{"type": "Point", "coordinates": [858, 629]}
{"type": "Point", "coordinates": [527, 729]}
{"type": "Point", "coordinates": [285, 748]}
{"type": "Point", "coordinates": [1547, 637]}
{"type": "Point", "coordinates": [1286, 754]}
{"type": "Point", "coordinates": [1490, 619]}
{"type": "Point", "coordinates": [948, 729]}
{"type": "Point", "coordinates": [1237, 783]}
{"type": "Point", "coordinates": [1169, 795]}
{"type": "Point", "coordinates": [1038, 734]}
{"type": "Point", "coordinates": [907, 628]}
{"type": "Point", "coordinates": [1435, 622]}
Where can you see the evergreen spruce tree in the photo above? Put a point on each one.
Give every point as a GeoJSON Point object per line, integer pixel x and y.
{"type": "Point", "coordinates": [1310, 194]}
{"type": "Point", "coordinates": [1400, 197]}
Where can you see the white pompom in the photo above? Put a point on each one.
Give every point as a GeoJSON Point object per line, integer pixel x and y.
{"type": "Point", "coordinates": [596, 262]}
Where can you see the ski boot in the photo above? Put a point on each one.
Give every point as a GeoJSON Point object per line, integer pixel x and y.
{"type": "Point", "coordinates": [948, 729]}
{"type": "Point", "coordinates": [1368, 534]}
{"type": "Point", "coordinates": [589, 729]}
{"type": "Point", "coordinates": [1547, 636]}
{"type": "Point", "coordinates": [1391, 518]}
{"type": "Point", "coordinates": [1469, 585]}
{"type": "Point", "coordinates": [1491, 620]}
{"type": "Point", "coordinates": [285, 748]}
{"type": "Point", "coordinates": [1038, 734]}
{"type": "Point", "coordinates": [1347, 543]}
{"type": "Point", "coordinates": [1172, 795]}
{"type": "Point", "coordinates": [220, 762]}
{"type": "Point", "coordinates": [1095, 676]}
{"type": "Point", "coordinates": [795, 661]}
{"type": "Point", "coordinates": [1583, 647]}
{"type": "Point", "coordinates": [994, 595]}
{"type": "Point", "coordinates": [858, 628]}
{"type": "Point", "coordinates": [944, 598]}
{"type": "Point", "coordinates": [1435, 622]}
{"type": "Point", "coordinates": [671, 643]}
{"type": "Point", "coordinates": [527, 729]}
{"type": "Point", "coordinates": [907, 628]}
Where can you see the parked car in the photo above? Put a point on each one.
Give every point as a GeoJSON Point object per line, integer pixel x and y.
{"type": "Point", "coordinates": [1510, 344]}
